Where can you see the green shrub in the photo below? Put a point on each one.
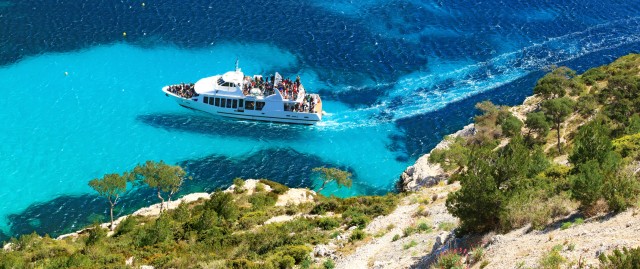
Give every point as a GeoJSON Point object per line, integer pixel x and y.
{"type": "Point", "coordinates": [477, 254]}
{"type": "Point", "coordinates": [327, 223]}
{"type": "Point", "coordinates": [96, 234]}
{"type": "Point", "coordinates": [628, 146]}
{"type": "Point", "coordinates": [126, 226]}
{"type": "Point", "coordinates": [588, 183]}
{"type": "Point", "coordinates": [281, 262]}
{"type": "Point", "coordinates": [355, 217]}
{"type": "Point", "coordinates": [454, 157]}
{"type": "Point", "coordinates": [566, 225]}
{"type": "Point", "coordinates": [238, 185]}
{"type": "Point", "coordinates": [395, 238]}
{"type": "Point", "coordinates": [252, 219]}
{"type": "Point", "coordinates": [511, 126]}
{"type": "Point", "coordinates": [621, 191]}
{"type": "Point", "coordinates": [357, 235]}
{"type": "Point", "coordinates": [78, 260]}
{"type": "Point", "coordinates": [408, 231]}
{"type": "Point", "coordinates": [586, 105]}
{"type": "Point", "coordinates": [222, 203]}
{"type": "Point", "coordinates": [299, 253]}
{"type": "Point", "coordinates": [627, 258]}
{"type": "Point", "coordinates": [181, 212]}
{"type": "Point", "coordinates": [449, 260]}
{"type": "Point", "coordinates": [259, 187]}
{"type": "Point", "coordinates": [325, 206]}
{"type": "Point", "coordinates": [552, 259]}
{"type": "Point", "coordinates": [446, 226]}
{"type": "Point", "coordinates": [262, 200]}
{"type": "Point", "coordinates": [276, 187]}
{"type": "Point", "coordinates": [328, 264]}
{"type": "Point", "coordinates": [161, 230]}
{"type": "Point", "coordinates": [204, 221]}
{"type": "Point", "coordinates": [359, 221]}
{"type": "Point", "coordinates": [241, 264]}
{"type": "Point", "coordinates": [409, 245]}
{"type": "Point", "coordinates": [479, 201]}
{"type": "Point", "coordinates": [424, 227]}
{"type": "Point", "coordinates": [591, 76]}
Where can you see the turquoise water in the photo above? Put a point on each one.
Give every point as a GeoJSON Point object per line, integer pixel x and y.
{"type": "Point", "coordinates": [74, 115]}
{"type": "Point", "coordinates": [80, 100]}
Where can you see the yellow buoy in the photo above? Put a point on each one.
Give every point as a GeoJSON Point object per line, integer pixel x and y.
{"type": "Point", "coordinates": [124, 33]}
{"type": "Point", "coordinates": [143, 4]}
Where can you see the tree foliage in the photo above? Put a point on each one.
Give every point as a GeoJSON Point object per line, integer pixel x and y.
{"type": "Point", "coordinates": [162, 177]}
{"type": "Point", "coordinates": [557, 110]}
{"type": "Point", "coordinates": [591, 143]}
{"type": "Point", "coordinates": [537, 124]}
{"type": "Point", "coordinates": [491, 180]}
{"type": "Point", "coordinates": [553, 84]}
{"type": "Point", "coordinates": [625, 259]}
{"type": "Point", "coordinates": [598, 171]}
{"type": "Point", "coordinates": [454, 157]}
{"type": "Point", "coordinates": [479, 200]}
{"type": "Point", "coordinates": [342, 178]}
{"type": "Point", "coordinates": [111, 186]}
{"type": "Point", "coordinates": [511, 126]}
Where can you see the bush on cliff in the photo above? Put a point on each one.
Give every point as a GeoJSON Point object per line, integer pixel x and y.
{"type": "Point", "coordinates": [494, 182]}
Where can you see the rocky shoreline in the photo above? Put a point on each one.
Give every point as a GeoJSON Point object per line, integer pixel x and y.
{"type": "Point", "coordinates": [292, 196]}
{"type": "Point", "coordinates": [426, 174]}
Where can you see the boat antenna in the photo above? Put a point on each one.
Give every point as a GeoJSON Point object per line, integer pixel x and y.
{"type": "Point", "coordinates": [237, 68]}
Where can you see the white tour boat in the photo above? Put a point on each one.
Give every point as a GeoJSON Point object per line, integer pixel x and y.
{"type": "Point", "coordinates": [233, 95]}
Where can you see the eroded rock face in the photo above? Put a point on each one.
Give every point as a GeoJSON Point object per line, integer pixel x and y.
{"type": "Point", "coordinates": [424, 173]}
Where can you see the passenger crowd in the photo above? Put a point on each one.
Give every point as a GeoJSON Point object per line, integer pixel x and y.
{"type": "Point", "coordinates": [288, 88]}
{"type": "Point", "coordinates": [183, 90]}
{"type": "Point", "coordinates": [308, 104]}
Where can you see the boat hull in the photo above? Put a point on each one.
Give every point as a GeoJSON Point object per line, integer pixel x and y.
{"type": "Point", "coordinates": [288, 117]}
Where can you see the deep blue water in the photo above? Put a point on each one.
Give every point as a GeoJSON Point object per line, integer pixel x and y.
{"type": "Point", "coordinates": [396, 76]}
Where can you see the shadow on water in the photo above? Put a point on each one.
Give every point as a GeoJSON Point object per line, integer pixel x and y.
{"type": "Point", "coordinates": [208, 125]}
{"type": "Point", "coordinates": [69, 213]}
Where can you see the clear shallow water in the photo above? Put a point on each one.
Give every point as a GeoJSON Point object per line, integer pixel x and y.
{"type": "Point", "coordinates": [395, 75]}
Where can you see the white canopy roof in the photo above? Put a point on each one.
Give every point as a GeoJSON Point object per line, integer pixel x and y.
{"type": "Point", "coordinates": [209, 85]}
{"type": "Point", "coordinates": [233, 76]}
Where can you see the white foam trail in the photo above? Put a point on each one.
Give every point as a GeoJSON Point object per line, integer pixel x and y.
{"type": "Point", "coordinates": [480, 77]}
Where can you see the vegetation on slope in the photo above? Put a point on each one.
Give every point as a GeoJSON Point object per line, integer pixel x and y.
{"type": "Point", "coordinates": [513, 173]}
{"type": "Point", "coordinates": [226, 231]}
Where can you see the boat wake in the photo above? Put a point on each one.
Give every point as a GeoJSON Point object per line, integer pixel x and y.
{"type": "Point", "coordinates": [424, 92]}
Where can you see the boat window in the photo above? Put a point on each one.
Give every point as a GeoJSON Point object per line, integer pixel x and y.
{"type": "Point", "coordinates": [250, 105]}
{"type": "Point", "coordinates": [205, 100]}
{"type": "Point", "coordinates": [217, 101]}
{"type": "Point", "coordinates": [259, 105]}
{"type": "Point", "coordinates": [235, 103]}
{"type": "Point", "coordinates": [220, 81]}
{"type": "Point", "coordinates": [223, 102]}
{"type": "Point", "coordinates": [228, 103]}
{"type": "Point", "coordinates": [211, 100]}
{"type": "Point", "coordinates": [241, 103]}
